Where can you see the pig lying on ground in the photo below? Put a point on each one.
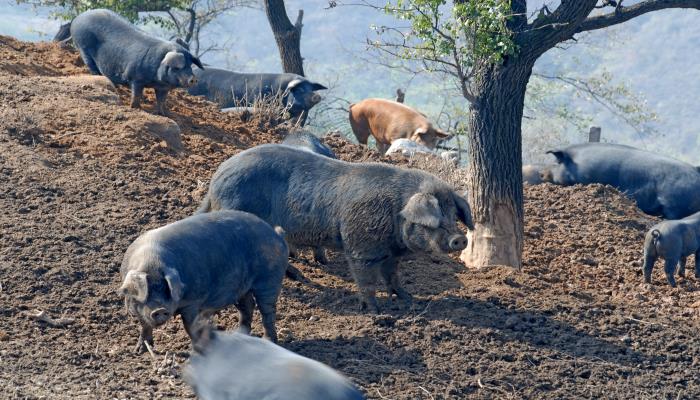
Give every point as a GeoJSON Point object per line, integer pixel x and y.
{"type": "Point", "coordinates": [307, 141]}
{"type": "Point", "coordinates": [202, 264]}
{"type": "Point", "coordinates": [660, 185]}
{"type": "Point", "coordinates": [233, 89]}
{"type": "Point", "coordinates": [408, 148]}
{"type": "Point", "coordinates": [240, 367]}
{"type": "Point", "coordinates": [673, 241]}
{"type": "Point", "coordinates": [373, 212]}
{"type": "Point", "coordinates": [111, 46]}
{"type": "Point", "coordinates": [534, 174]}
{"type": "Point", "coordinates": [388, 120]}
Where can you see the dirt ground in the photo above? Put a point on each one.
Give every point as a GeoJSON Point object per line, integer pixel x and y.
{"type": "Point", "coordinates": [81, 175]}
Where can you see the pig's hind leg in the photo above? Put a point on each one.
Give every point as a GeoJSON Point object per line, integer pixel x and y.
{"type": "Point", "coordinates": [266, 298]}
{"type": "Point", "coordinates": [246, 306]}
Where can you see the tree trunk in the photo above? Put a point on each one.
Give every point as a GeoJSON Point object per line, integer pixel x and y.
{"type": "Point", "coordinates": [495, 158]}
{"type": "Point", "coordinates": [287, 36]}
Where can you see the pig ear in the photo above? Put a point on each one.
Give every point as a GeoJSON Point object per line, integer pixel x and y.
{"type": "Point", "coordinates": [441, 134]}
{"type": "Point", "coordinates": [174, 59]}
{"type": "Point", "coordinates": [174, 284]}
{"type": "Point", "coordinates": [296, 82]}
{"type": "Point", "coordinates": [196, 62]}
{"type": "Point", "coordinates": [422, 209]}
{"type": "Point", "coordinates": [317, 86]}
{"type": "Point", "coordinates": [419, 132]}
{"type": "Point", "coordinates": [135, 285]}
{"type": "Point", "coordinates": [560, 155]}
{"type": "Point", "coordinates": [464, 212]}
{"type": "Point", "coordinates": [182, 43]}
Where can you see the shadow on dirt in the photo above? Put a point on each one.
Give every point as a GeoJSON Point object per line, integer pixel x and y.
{"type": "Point", "coordinates": [537, 329]}
{"type": "Point", "coordinates": [360, 357]}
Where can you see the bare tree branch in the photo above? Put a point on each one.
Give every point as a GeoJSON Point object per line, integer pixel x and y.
{"type": "Point", "coordinates": [622, 14]}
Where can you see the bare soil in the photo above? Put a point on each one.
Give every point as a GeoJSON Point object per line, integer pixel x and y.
{"type": "Point", "coordinates": [81, 175]}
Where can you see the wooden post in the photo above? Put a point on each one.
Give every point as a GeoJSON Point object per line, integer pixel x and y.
{"type": "Point", "coordinates": [594, 134]}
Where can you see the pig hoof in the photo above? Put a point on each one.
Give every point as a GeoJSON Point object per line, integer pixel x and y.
{"type": "Point", "coordinates": [294, 274]}
{"type": "Point", "coordinates": [372, 308]}
{"type": "Point", "coordinates": [140, 348]}
{"type": "Point", "coordinates": [405, 296]}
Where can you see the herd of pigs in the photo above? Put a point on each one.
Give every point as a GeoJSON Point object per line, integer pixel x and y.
{"type": "Point", "coordinates": [268, 201]}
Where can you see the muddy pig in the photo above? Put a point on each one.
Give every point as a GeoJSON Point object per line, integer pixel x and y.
{"type": "Point", "coordinates": [113, 47]}
{"type": "Point", "coordinates": [660, 185]}
{"type": "Point", "coordinates": [373, 212]}
{"type": "Point", "coordinates": [673, 241]}
{"type": "Point", "coordinates": [235, 366]}
{"type": "Point", "coordinates": [202, 264]}
{"type": "Point", "coordinates": [307, 141]}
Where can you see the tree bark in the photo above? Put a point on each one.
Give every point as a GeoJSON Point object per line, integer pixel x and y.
{"type": "Point", "coordinates": [495, 165]}
{"type": "Point", "coordinates": [287, 36]}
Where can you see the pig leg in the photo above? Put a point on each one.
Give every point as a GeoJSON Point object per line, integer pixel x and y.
{"type": "Point", "coordinates": [681, 267]}
{"type": "Point", "coordinates": [189, 316]}
{"type": "Point", "coordinates": [161, 97]}
{"type": "Point", "coordinates": [90, 63]}
{"type": "Point", "coordinates": [293, 251]}
{"type": "Point", "coordinates": [649, 261]}
{"type": "Point", "coordinates": [381, 147]}
{"type": "Point", "coordinates": [294, 274]}
{"type": "Point", "coordinates": [267, 303]}
{"type": "Point", "coordinates": [146, 336]}
{"type": "Point", "coordinates": [246, 306]}
{"type": "Point", "coordinates": [389, 270]}
{"type": "Point", "coordinates": [670, 269]}
{"type": "Point", "coordinates": [320, 255]}
{"type": "Point", "coordinates": [366, 278]}
{"type": "Point", "coordinates": [136, 94]}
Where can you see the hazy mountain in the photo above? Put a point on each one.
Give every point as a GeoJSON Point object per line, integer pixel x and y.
{"type": "Point", "coordinates": [656, 55]}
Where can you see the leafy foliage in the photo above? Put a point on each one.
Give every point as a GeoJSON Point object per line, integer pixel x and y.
{"type": "Point", "coordinates": [459, 33]}
{"type": "Point", "coordinates": [69, 9]}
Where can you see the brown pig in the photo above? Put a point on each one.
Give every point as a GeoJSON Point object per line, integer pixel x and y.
{"type": "Point", "coordinates": [388, 120]}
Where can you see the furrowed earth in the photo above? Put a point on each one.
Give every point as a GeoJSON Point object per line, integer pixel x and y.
{"type": "Point", "coordinates": [82, 175]}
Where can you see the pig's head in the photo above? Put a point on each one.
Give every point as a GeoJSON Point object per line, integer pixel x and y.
{"type": "Point", "coordinates": [152, 297]}
{"type": "Point", "coordinates": [302, 95]}
{"type": "Point", "coordinates": [563, 172]}
{"type": "Point", "coordinates": [429, 222]}
{"type": "Point", "coordinates": [175, 69]}
{"type": "Point", "coordinates": [428, 135]}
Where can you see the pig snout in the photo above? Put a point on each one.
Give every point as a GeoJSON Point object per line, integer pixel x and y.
{"type": "Point", "coordinates": [160, 316]}
{"type": "Point", "coordinates": [189, 81]}
{"type": "Point", "coordinates": [315, 98]}
{"type": "Point", "coordinates": [457, 242]}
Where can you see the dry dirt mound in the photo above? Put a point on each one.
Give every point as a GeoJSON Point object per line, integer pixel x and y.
{"type": "Point", "coordinates": [575, 323]}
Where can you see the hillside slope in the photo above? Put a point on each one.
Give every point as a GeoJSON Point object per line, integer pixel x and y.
{"type": "Point", "coordinates": [80, 180]}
